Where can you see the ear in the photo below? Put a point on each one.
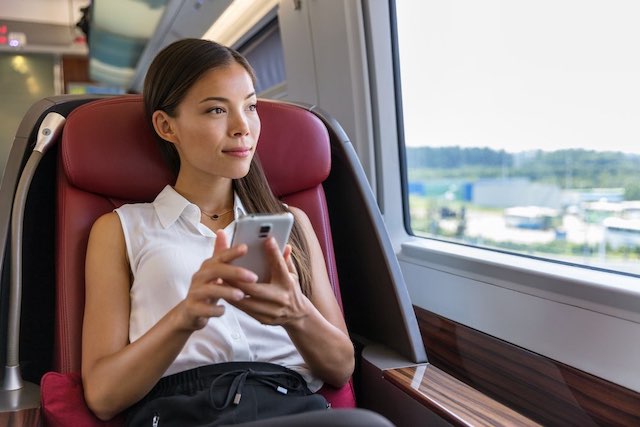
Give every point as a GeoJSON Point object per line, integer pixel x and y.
{"type": "Point", "coordinates": [162, 123]}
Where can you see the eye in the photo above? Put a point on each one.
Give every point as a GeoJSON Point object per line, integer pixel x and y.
{"type": "Point", "coordinates": [216, 110]}
{"type": "Point", "coordinates": [253, 107]}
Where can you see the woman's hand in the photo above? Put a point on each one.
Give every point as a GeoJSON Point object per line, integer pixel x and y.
{"type": "Point", "coordinates": [213, 281]}
{"type": "Point", "coordinates": [315, 323]}
{"type": "Point", "coordinates": [280, 301]}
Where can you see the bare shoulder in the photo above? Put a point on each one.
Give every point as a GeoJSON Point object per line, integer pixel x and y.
{"type": "Point", "coordinates": [300, 216]}
{"type": "Point", "coordinates": [107, 237]}
{"type": "Point", "coordinates": [108, 222]}
{"type": "Point", "coordinates": [303, 220]}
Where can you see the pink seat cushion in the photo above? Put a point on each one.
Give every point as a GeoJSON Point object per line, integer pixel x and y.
{"type": "Point", "coordinates": [342, 397]}
{"type": "Point", "coordinates": [63, 403]}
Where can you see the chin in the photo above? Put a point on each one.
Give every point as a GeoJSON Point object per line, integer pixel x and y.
{"type": "Point", "coordinates": [240, 173]}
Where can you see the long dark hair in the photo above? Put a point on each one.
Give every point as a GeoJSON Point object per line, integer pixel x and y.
{"type": "Point", "coordinates": [171, 74]}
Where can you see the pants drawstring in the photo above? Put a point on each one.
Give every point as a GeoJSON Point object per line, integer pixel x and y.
{"type": "Point", "coordinates": [277, 380]}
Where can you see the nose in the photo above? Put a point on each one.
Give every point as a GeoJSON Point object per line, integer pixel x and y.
{"type": "Point", "coordinates": [239, 125]}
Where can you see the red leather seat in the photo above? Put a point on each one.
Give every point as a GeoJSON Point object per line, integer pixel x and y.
{"type": "Point", "coordinates": [108, 157]}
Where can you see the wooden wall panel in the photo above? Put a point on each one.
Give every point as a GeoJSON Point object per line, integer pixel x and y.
{"type": "Point", "coordinates": [542, 389]}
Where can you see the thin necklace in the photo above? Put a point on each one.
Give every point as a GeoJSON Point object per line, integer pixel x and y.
{"type": "Point", "coordinates": [214, 216]}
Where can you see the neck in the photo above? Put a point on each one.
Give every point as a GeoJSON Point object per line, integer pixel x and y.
{"type": "Point", "coordinates": [218, 216]}
{"type": "Point", "coordinates": [213, 198]}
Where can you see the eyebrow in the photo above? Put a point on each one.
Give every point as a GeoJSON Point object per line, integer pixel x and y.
{"type": "Point", "coordinates": [223, 99]}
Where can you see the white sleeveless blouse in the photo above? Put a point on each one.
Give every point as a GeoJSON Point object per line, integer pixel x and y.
{"type": "Point", "coordinates": [166, 244]}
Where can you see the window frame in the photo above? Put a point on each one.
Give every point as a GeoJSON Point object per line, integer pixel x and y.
{"type": "Point", "coordinates": [586, 318]}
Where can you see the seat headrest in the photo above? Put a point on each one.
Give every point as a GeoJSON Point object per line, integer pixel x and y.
{"type": "Point", "coordinates": [108, 148]}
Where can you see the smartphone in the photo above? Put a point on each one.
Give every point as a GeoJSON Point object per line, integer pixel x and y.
{"type": "Point", "coordinates": [252, 230]}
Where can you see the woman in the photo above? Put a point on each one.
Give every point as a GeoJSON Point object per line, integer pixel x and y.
{"type": "Point", "coordinates": [165, 311]}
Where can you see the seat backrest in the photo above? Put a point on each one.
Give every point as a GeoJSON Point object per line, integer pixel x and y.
{"type": "Point", "coordinates": [108, 157]}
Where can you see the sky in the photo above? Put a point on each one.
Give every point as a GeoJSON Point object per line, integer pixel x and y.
{"type": "Point", "coordinates": [521, 75]}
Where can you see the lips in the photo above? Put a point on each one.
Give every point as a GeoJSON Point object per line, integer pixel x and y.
{"type": "Point", "coordinates": [238, 151]}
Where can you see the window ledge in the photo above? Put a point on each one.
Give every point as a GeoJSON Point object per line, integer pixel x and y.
{"type": "Point", "coordinates": [456, 402]}
{"type": "Point", "coordinates": [604, 292]}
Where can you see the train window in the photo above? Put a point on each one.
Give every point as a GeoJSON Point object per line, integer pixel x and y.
{"type": "Point", "coordinates": [264, 52]}
{"type": "Point", "coordinates": [520, 126]}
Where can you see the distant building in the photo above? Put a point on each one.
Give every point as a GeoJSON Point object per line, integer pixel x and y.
{"type": "Point", "coordinates": [455, 188]}
{"type": "Point", "coordinates": [508, 192]}
{"type": "Point", "coordinates": [622, 232]}
{"type": "Point", "coordinates": [576, 197]}
{"type": "Point", "coordinates": [602, 195]}
{"type": "Point", "coordinates": [531, 217]}
{"type": "Point", "coordinates": [631, 209]}
{"type": "Point", "coordinates": [597, 212]}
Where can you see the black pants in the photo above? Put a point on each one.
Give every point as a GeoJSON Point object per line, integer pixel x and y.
{"type": "Point", "coordinates": [332, 418]}
{"type": "Point", "coordinates": [225, 394]}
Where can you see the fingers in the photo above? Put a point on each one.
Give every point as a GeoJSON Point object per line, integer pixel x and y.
{"type": "Point", "coordinates": [203, 302]}
{"type": "Point", "coordinates": [221, 242]}
{"type": "Point", "coordinates": [287, 251]}
{"type": "Point", "coordinates": [265, 312]}
{"type": "Point", "coordinates": [210, 293]}
{"type": "Point", "coordinates": [213, 272]}
{"type": "Point", "coordinates": [279, 268]}
{"type": "Point", "coordinates": [280, 301]}
{"type": "Point", "coordinates": [217, 266]}
{"type": "Point", "coordinates": [288, 258]}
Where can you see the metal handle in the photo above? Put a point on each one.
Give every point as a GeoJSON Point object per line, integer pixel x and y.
{"type": "Point", "coordinates": [49, 130]}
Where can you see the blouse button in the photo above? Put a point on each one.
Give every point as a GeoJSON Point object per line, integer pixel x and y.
{"type": "Point", "coordinates": [235, 336]}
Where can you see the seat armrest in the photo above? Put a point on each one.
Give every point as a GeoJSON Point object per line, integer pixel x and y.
{"type": "Point", "coordinates": [409, 393]}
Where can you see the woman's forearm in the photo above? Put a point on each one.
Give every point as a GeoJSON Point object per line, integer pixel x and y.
{"type": "Point", "coordinates": [327, 351]}
{"type": "Point", "coordinates": [115, 382]}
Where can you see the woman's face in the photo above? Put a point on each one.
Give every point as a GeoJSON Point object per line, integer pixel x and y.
{"type": "Point", "coordinates": [217, 126]}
